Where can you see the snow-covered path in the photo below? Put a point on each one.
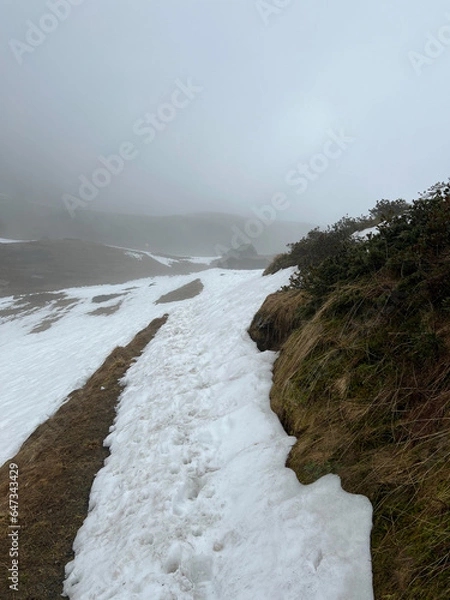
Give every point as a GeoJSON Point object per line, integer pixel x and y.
{"type": "Point", "coordinates": [194, 501]}
{"type": "Point", "coordinates": [38, 370]}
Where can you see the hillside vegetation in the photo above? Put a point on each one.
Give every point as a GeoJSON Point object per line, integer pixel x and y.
{"type": "Point", "coordinates": [317, 245]}
{"type": "Point", "coordinates": [363, 381]}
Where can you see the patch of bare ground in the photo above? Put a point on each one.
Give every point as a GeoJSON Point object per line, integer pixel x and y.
{"type": "Point", "coordinates": [105, 297]}
{"type": "Point", "coordinates": [29, 303]}
{"type": "Point", "coordinates": [106, 310]}
{"type": "Point", "coordinates": [190, 290]}
{"type": "Point", "coordinates": [57, 465]}
{"type": "Point", "coordinates": [45, 324]}
{"type": "Point", "coordinates": [60, 308]}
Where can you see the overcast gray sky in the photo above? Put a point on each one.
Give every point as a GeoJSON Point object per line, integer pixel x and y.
{"type": "Point", "coordinates": [217, 105]}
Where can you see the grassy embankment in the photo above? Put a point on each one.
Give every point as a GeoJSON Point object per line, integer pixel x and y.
{"type": "Point", "coordinates": [363, 382]}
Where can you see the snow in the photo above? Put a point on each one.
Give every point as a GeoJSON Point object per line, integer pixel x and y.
{"type": "Point", "coordinates": [166, 260]}
{"type": "Point", "coordinates": [8, 241]}
{"type": "Point", "coordinates": [162, 259]}
{"type": "Point", "coordinates": [194, 501]}
{"type": "Point", "coordinates": [196, 260]}
{"type": "Point", "coordinates": [202, 260]}
{"type": "Point", "coordinates": [365, 232]}
{"type": "Point", "coordinates": [39, 370]}
{"type": "Point", "coordinates": [137, 255]}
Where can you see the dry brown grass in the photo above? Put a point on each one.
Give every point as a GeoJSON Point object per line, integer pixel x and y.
{"type": "Point", "coordinates": [57, 465]}
{"type": "Point", "coordinates": [275, 320]}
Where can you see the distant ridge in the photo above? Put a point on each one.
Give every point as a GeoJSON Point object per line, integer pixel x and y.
{"type": "Point", "coordinates": [48, 265]}
{"type": "Point", "coordinates": [197, 234]}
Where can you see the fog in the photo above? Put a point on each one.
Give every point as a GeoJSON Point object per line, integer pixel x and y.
{"type": "Point", "coordinates": [189, 106]}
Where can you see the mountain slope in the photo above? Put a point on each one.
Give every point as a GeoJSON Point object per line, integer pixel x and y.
{"type": "Point", "coordinates": [41, 266]}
